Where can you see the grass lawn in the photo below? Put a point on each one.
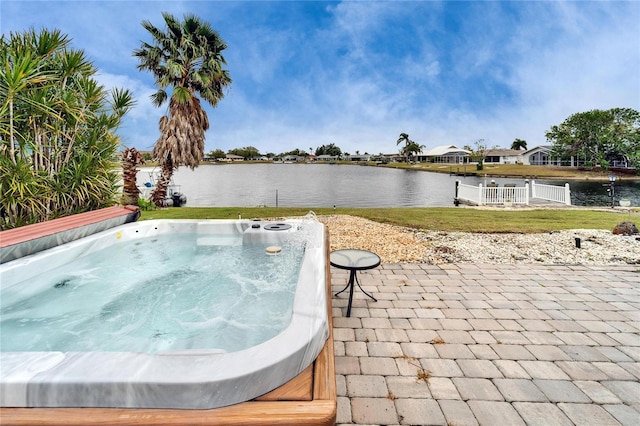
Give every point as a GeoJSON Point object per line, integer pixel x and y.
{"type": "Point", "coordinates": [434, 218]}
{"type": "Point", "coordinates": [515, 170]}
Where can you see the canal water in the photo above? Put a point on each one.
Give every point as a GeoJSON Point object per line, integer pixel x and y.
{"type": "Point", "coordinates": [328, 185]}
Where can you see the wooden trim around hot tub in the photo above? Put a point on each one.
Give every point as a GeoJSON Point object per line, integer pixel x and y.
{"type": "Point", "coordinates": [269, 409]}
{"type": "Point", "coordinates": [44, 229]}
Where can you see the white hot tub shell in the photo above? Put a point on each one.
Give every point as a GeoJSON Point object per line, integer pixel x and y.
{"type": "Point", "coordinates": [188, 379]}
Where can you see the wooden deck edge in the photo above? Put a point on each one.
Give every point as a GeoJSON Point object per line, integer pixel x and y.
{"type": "Point", "coordinates": [300, 388]}
{"type": "Point", "coordinates": [31, 239]}
{"type": "Point", "coordinates": [277, 413]}
{"type": "Point", "coordinates": [44, 229]}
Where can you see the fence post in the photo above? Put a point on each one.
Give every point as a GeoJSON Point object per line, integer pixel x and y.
{"type": "Point", "coordinates": [567, 194]}
{"type": "Point", "coordinates": [526, 195]}
{"type": "Point", "coordinates": [533, 188]}
{"type": "Point", "coordinates": [480, 197]}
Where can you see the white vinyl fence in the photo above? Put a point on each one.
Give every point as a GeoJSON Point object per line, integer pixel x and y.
{"type": "Point", "coordinates": [505, 195]}
{"type": "Point", "coordinates": [558, 194]}
{"type": "Point", "coordinates": [467, 193]}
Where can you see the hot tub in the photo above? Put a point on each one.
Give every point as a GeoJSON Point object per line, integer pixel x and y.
{"type": "Point", "coordinates": [191, 376]}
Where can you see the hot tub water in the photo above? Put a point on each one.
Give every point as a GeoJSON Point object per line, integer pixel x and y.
{"type": "Point", "coordinates": [155, 294]}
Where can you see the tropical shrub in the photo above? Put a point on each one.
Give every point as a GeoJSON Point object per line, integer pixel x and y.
{"type": "Point", "coordinates": [58, 147]}
{"type": "Point", "coordinates": [599, 138]}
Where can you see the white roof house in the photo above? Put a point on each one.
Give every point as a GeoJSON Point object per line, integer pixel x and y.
{"type": "Point", "coordinates": [448, 154]}
{"type": "Point", "coordinates": [504, 156]}
{"type": "Point", "coordinates": [327, 157]}
{"type": "Point", "coordinates": [359, 157]}
{"type": "Point", "coordinates": [233, 157]}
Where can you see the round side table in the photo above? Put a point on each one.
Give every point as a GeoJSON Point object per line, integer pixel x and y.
{"type": "Point", "coordinates": [354, 260]}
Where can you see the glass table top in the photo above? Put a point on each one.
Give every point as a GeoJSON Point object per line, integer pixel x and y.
{"type": "Point", "coordinates": [354, 259]}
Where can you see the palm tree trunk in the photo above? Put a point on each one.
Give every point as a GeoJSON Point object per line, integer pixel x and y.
{"type": "Point", "coordinates": [130, 192]}
{"type": "Point", "coordinates": [159, 194]}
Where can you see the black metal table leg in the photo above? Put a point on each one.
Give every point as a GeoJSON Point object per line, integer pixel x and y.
{"type": "Point", "coordinates": [352, 278]}
{"type": "Point", "coordinates": [345, 287]}
{"type": "Point", "coordinates": [358, 281]}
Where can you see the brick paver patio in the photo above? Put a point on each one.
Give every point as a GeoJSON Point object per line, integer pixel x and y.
{"type": "Point", "coordinates": [489, 345]}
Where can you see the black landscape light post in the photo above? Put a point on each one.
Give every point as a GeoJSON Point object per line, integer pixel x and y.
{"type": "Point", "coordinates": [612, 188]}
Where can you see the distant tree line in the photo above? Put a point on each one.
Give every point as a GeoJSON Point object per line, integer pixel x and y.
{"type": "Point", "coordinates": [597, 138]}
{"type": "Point", "coordinates": [330, 149]}
{"type": "Point", "coordinates": [251, 152]}
{"type": "Point", "coordinates": [248, 152]}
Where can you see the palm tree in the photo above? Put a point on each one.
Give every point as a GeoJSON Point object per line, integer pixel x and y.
{"type": "Point", "coordinates": [412, 148]}
{"type": "Point", "coordinates": [519, 144]}
{"type": "Point", "coordinates": [409, 147]}
{"type": "Point", "coordinates": [187, 59]}
{"type": "Point", "coordinates": [403, 138]}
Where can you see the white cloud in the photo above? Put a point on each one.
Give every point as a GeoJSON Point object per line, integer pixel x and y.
{"type": "Point", "coordinates": [547, 65]}
{"type": "Point", "coordinates": [359, 73]}
{"type": "Point", "coordinates": [587, 64]}
{"type": "Point", "coordinates": [140, 125]}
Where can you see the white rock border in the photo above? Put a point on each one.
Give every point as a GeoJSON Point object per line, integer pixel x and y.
{"type": "Point", "coordinates": [395, 244]}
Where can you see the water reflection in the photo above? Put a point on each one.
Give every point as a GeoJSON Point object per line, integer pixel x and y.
{"type": "Point", "coordinates": [591, 193]}
{"type": "Point", "coordinates": [326, 185]}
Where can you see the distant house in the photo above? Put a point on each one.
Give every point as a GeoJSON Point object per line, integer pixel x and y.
{"type": "Point", "coordinates": [447, 154]}
{"type": "Point", "coordinates": [541, 156]}
{"type": "Point", "coordinates": [325, 157]}
{"type": "Point", "coordinates": [360, 157]}
{"type": "Point", "coordinates": [233, 158]}
{"type": "Point", "coordinates": [503, 156]}
{"type": "Point", "coordinates": [292, 158]}
{"type": "Point", "coordinates": [388, 158]}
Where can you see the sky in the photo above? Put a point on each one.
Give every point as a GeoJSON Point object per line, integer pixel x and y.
{"type": "Point", "coordinates": [359, 73]}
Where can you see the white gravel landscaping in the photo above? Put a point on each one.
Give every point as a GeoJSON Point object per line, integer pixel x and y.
{"type": "Point", "coordinates": [395, 244]}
